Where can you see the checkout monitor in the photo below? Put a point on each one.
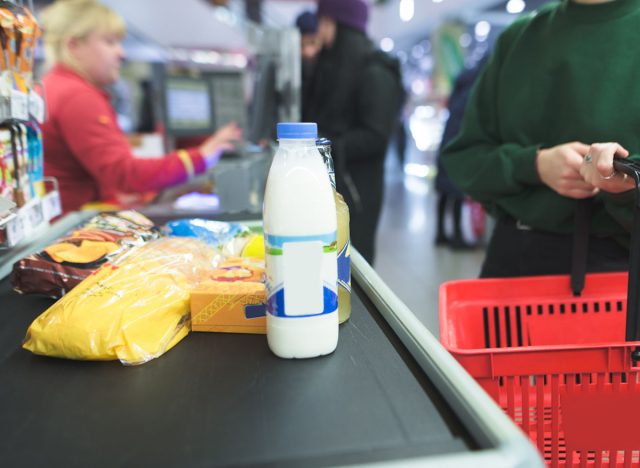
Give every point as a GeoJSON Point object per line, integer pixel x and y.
{"type": "Point", "coordinates": [197, 106]}
{"type": "Point", "coordinates": [188, 106]}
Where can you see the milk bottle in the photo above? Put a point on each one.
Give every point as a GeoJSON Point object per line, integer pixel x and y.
{"type": "Point", "coordinates": [344, 243]}
{"type": "Point", "coordinates": [299, 217]}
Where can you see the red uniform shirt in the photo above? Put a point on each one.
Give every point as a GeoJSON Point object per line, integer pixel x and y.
{"type": "Point", "coordinates": [87, 152]}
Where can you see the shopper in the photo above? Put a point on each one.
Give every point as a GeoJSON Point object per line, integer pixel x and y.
{"type": "Point", "coordinates": [84, 147]}
{"type": "Point", "coordinates": [310, 46]}
{"type": "Point", "coordinates": [558, 83]}
{"type": "Point", "coordinates": [450, 198]}
{"type": "Point", "coordinates": [354, 97]}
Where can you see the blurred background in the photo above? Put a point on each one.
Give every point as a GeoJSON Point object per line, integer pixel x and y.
{"type": "Point", "coordinates": [194, 65]}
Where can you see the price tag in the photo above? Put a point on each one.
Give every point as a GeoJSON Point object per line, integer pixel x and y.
{"type": "Point", "coordinates": [27, 220]}
{"type": "Point", "coordinates": [19, 105]}
{"type": "Point", "coordinates": [51, 206]}
{"type": "Point", "coordinates": [33, 214]}
{"type": "Point", "coordinates": [15, 231]}
{"type": "Point", "coordinates": [36, 106]}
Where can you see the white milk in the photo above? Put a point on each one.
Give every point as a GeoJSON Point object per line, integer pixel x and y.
{"type": "Point", "coordinates": [299, 217]}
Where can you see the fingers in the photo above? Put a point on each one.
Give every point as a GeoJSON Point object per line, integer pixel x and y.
{"type": "Point", "coordinates": [580, 147]}
{"type": "Point", "coordinates": [577, 187]}
{"type": "Point", "coordinates": [602, 158]}
{"type": "Point", "coordinates": [581, 194]}
{"type": "Point", "coordinates": [598, 169]}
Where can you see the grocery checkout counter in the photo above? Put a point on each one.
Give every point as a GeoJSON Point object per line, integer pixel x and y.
{"type": "Point", "coordinates": [389, 395]}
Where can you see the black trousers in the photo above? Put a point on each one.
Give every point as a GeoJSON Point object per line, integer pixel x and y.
{"type": "Point", "coordinates": [516, 251]}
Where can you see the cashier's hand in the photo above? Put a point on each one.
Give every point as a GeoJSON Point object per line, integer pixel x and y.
{"type": "Point", "coordinates": [597, 168]}
{"type": "Point", "coordinates": [220, 141]}
{"type": "Point", "coordinates": [559, 168]}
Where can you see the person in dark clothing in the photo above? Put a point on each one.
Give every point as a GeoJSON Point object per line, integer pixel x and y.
{"type": "Point", "coordinates": [352, 97]}
{"type": "Point", "coordinates": [450, 197]}
{"type": "Point", "coordinates": [310, 46]}
{"type": "Point", "coordinates": [538, 138]}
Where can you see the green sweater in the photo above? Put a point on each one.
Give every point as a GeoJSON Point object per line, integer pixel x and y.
{"type": "Point", "coordinates": [571, 72]}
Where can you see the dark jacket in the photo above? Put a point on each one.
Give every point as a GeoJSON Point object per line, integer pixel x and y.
{"type": "Point", "coordinates": [352, 97]}
{"type": "Point", "coordinates": [456, 106]}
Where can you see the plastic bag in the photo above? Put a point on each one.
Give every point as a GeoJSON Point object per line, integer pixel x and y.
{"type": "Point", "coordinates": [229, 239]}
{"type": "Point", "coordinates": [63, 265]}
{"type": "Point", "coordinates": [134, 309]}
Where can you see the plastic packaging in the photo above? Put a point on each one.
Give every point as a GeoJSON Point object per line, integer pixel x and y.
{"type": "Point", "coordinates": [134, 309]}
{"type": "Point", "coordinates": [230, 239]}
{"type": "Point", "coordinates": [63, 265]}
{"type": "Point", "coordinates": [300, 242]}
{"type": "Point", "coordinates": [344, 239]}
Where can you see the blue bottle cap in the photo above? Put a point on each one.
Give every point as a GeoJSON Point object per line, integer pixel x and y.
{"type": "Point", "coordinates": [298, 130]}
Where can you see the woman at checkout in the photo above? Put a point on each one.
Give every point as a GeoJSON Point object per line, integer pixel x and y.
{"type": "Point", "coordinates": [84, 147]}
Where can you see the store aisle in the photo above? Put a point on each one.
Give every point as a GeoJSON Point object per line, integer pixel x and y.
{"type": "Point", "coordinates": [406, 258]}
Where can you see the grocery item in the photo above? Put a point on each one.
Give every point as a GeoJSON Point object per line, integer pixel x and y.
{"type": "Point", "coordinates": [58, 268]}
{"type": "Point", "coordinates": [299, 217]}
{"type": "Point", "coordinates": [133, 310]}
{"type": "Point", "coordinates": [232, 299]}
{"type": "Point", "coordinates": [254, 247]}
{"type": "Point", "coordinates": [8, 32]}
{"type": "Point", "coordinates": [344, 243]}
{"type": "Point", "coordinates": [230, 239]}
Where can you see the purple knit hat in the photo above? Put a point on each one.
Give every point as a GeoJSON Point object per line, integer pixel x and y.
{"type": "Point", "coordinates": [354, 13]}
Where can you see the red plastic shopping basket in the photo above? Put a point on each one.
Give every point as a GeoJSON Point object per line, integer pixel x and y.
{"type": "Point", "coordinates": [558, 364]}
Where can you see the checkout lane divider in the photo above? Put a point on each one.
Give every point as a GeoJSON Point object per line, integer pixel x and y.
{"type": "Point", "coordinates": [513, 448]}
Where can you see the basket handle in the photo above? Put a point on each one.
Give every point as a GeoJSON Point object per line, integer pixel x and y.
{"type": "Point", "coordinates": [582, 218]}
{"type": "Point", "coordinates": [632, 169]}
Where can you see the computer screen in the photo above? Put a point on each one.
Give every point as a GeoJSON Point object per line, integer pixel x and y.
{"type": "Point", "coordinates": [263, 111]}
{"type": "Point", "coordinates": [188, 106]}
{"type": "Point", "coordinates": [229, 103]}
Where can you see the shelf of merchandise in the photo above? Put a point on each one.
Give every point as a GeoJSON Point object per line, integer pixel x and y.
{"type": "Point", "coordinates": [20, 223]}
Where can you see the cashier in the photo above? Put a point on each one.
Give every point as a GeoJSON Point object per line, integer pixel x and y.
{"type": "Point", "coordinates": [85, 150]}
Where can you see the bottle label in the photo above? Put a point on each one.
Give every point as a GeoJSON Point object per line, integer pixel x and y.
{"type": "Point", "coordinates": [302, 275]}
{"type": "Point", "coordinates": [344, 267]}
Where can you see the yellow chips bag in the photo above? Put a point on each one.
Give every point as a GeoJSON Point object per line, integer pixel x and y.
{"type": "Point", "coordinates": [133, 309]}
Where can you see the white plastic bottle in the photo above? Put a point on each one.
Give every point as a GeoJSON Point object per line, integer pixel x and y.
{"type": "Point", "coordinates": [299, 217]}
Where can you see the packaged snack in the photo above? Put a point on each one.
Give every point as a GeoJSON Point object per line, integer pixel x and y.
{"type": "Point", "coordinates": [134, 309]}
{"type": "Point", "coordinates": [232, 299]}
{"type": "Point", "coordinates": [61, 266]}
{"type": "Point", "coordinates": [230, 239]}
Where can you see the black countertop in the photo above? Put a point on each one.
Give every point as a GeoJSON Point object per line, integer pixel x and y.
{"type": "Point", "coordinates": [220, 400]}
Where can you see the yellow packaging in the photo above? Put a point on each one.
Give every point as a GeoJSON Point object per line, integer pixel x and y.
{"type": "Point", "coordinates": [232, 300]}
{"type": "Point", "coordinates": [134, 309]}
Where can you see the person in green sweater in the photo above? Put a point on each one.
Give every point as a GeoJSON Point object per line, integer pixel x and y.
{"type": "Point", "coordinates": [557, 100]}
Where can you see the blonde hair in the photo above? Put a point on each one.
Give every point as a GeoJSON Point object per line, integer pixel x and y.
{"type": "Point", "coordinates": [66, 19]}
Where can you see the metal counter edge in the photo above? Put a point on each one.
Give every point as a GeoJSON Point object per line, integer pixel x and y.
{"type": "Point", "coordinates": [510, 447]}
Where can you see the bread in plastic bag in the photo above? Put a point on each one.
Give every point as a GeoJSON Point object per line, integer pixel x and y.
{"type": "Point", "coordinates": [133, 309]}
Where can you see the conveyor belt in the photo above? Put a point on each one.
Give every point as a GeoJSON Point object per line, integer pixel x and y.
{"type": "Point", "coordinates": [388, 393]}
{"type": "Point", "coordinates": [221, 399]}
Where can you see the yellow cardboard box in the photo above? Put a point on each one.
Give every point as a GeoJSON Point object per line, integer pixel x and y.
{"type": "Point", "coordinates": [232, 300]}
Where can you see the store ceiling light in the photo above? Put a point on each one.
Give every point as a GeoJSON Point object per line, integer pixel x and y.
{"type": "Point", "coordinates": [515, 6]}
{"type": "Point", "coordinates": [406, 10]}
{"type": "Point", "coordinates": [387, 44]}
{"type": "Point", "coordinates": [482, 29]}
